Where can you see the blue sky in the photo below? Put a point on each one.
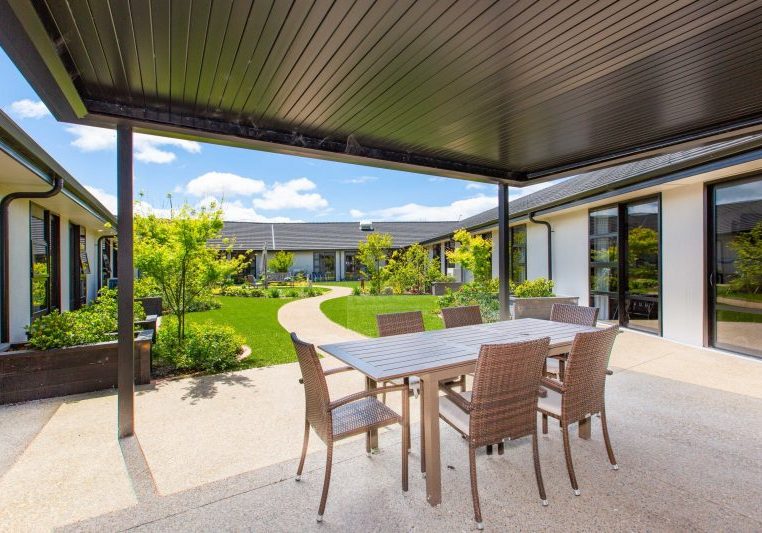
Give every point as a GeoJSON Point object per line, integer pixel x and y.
{"type": "Point", "coordinates": [252, 185]}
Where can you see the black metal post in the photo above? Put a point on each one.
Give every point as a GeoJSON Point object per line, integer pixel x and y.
{"type": "Point", "coordinates": [504, 251]}
{"type": "Point", "coordinates": [126, 360]}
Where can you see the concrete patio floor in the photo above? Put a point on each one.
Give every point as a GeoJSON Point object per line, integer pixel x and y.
{"type": "Point", "coordinates": [220, 453]}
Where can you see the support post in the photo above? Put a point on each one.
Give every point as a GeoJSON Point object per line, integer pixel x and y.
{"type": "Point", "coordinates": [126, 359]}
{"type": "Point", "coordinates": [504, 249]}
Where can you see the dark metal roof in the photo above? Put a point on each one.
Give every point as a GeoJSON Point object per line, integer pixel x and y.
{"type": "Point", "coordinates": [324, 235]}
{"type": "Point", "coordinates": [593, 183]}
{"type": "Point", "coordinates": [19, 145]}
{"type": "Point", "coordinates": [497, 90]}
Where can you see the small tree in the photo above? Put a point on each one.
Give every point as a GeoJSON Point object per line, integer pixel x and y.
{"type": "Point", "coordinates": [281, 261]}
{"type": "Point", "coordinates": [474, 254]}
{"type": "Point", "coordinates": [174, 253]}
{"type": "Point", "coordinates": [748, 262]}
{"type": "Point", "coordinates": [411, 270]}
{"type": "Point", "coordinates": [372, 253]}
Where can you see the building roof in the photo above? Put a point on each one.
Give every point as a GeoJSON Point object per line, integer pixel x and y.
{"type": "Point", "coordinates": [324, 235]}
{"type": "Point", "coordinates": [19, 145]}
{"type": "Point", "coordinates": [498, 91]}
{"type": "Point", "coordinates": [593, 183]}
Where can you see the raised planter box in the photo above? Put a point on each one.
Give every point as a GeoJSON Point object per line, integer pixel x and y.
{"type": "Point", "coordinates": [34, 374]}
{"type": "Point", "coordinates": [439, 288]}
{"type": "Point", "coordinates": [538, 307]}
{"type": "Point", "coordinates": [152, 305]}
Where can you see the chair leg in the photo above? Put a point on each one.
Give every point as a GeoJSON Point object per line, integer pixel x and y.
{"type": "Point", "coordinates": [607, 440]}
{"type": "Point", "coordinates": [489, 449]}
{"type": "Point", "coordinates": [561, 370]}
{"type": "Point", "coordinates": [544, 424]}
{"type": "Point", "coordinates": [463, 383]}
{"type": "Point", "coordinates": [567, 453]}
{"type": "Point", "coordinates": [474, 488]}
{"type": "Point", "coordinates": [537, 471]}
{"type": "Point", "coordinates": [383, 395]}
{"type": "Point", "coordinates": [500, 448]}
{"type": "Point", "coordinates": [326, 481]}
{"type": "Point", "coordinates": [405, 444]}
{"type": "Point", "coordinates": [304, 450]}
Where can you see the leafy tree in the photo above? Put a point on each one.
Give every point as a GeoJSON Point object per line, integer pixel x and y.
{"type": "Point", "coordinates": [748, 262]}
{"type": "Point", "coordinates": [372, 253]}
{"type": "Point", "coordinates": [281, 261]}
{"type": "Point", "coordinates": [474, 254]}
{"type": "Point", "coordinates": [642, 253]}
{"type": "Point", "coordinates": [174, 253]}
{"type": "Point", "coordinates": [411, 270]}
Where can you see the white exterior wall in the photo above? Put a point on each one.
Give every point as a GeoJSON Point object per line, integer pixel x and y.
{"type": "Point", "coordinates": [682, 234]}
{"type": "Point", "coordinates": [495, 253]}
{"type": "Point", "coordinates": [537, 251]}
{"type": "Point", "coordinates": [570, 254]}
{"type": "Point", "coordinates": [19, 272]}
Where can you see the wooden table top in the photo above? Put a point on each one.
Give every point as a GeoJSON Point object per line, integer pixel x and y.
{"type": "Point", "coordinates": [399, 356]}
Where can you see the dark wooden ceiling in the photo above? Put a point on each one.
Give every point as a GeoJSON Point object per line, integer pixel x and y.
{"type": "Point", "coordinates": [515, 90]}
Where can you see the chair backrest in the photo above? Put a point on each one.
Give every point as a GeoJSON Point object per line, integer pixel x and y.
{"type": "Point", "coordinates": [505, 390]}
{"type": "Point", "coordinates": [315, 387]}
{"type": "Point", "coordinates": [467, 315]}
{"type": "Point", "coordinates": [574, 314]}
{"type": "Point", "coordinates": [400, 323]}
{"type": "Point", "coordinates": [585, 375]}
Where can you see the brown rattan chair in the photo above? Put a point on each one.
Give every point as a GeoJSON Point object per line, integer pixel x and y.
{"type": "Point", "coordinates": [399, 324]}
{"type": "Point", "coordinates": [351, 415]}
{"type": "Point", "coordinates": [501, 406]}
{"type": "Point", "coordinates": [467, 315]}
{"type": "Point", "coordinates": [582, 394]}
{"type": "Point", "coordinates": [569, 314]}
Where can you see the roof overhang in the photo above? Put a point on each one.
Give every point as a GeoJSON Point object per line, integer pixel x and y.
{"type": "Point", "coordinates": [502, 92]}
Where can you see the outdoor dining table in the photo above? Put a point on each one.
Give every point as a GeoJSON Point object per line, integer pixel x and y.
{"type": "Point", "coordinates": [438, 355]}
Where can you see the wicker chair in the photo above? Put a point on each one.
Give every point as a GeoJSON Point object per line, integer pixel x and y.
{"type": "Point", "coordinates": [351, 415]}
{"type": "Point", "coordinates": [399, 324]}
{"type": "Point", "coordinates": [468, 315]}
{"type": "Point", "coordinates": [582, 394]}
{"type": "Point", "coordinates": [501, 406]}
{"type": "Point", "coordinates": [569, 314]}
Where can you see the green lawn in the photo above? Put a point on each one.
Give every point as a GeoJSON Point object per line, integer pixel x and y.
{"type": "Point", "coordinates": [256, 319]}
{"type": "Point", "coordinates": [350, 284]}
{"type": "Point", "coordinates": [359, 312]}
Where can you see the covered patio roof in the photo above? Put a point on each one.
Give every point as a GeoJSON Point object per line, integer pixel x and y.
{"type": "Point", "coordinates": [509, 92]}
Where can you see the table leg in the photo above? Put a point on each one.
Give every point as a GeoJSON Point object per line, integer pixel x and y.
{"type": "Point", "coordinates": [371, 437]}
{"type": "Point", "coordinates": [584, 428]}
{"type": "Point", "coordinates": [430, 387]}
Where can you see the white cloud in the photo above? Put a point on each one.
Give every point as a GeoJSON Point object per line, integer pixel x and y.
{"type": "Point", "coordinates": [238, 212]}
{"type": "Point", "coordinates": [360, 179]}
{"type": "Point", "coordinates": [107, 199]}
{"type": "Point", "coordinates": [223, 184]}
{"type": "Point", "coordinates": [356, 213]}
{"type": "Point", "coordinates": [148, 148]}
{"type": "Point", "coordinates": [475, 185]}
{"type": "Point", "coordinates": [457, 210]}
{"type": "Point", "coordinates": [27, 108]}
{"type": "Point", "coordinates": [291, 195]}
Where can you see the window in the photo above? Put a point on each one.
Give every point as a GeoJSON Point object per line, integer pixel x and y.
{"type": "Point", "coordinates": [44, 231]}
{"type": "Point", "coordinates": [625, 264]}
{"type": "Point", "coordinates": [352, 266]}
{"type": "Point", "coordinates": [324, 266]}
{"type": "Point", "coordinates": [519, 253]}
{"type": "Point", "coordinates": [79, 266]}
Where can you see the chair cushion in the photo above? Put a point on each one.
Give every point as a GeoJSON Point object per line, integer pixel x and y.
{"type": "Point", "coordinates": [551, 403]}
{"type": "Point", "coordinates": [359, 416]}
{"type": "Point", "coordinates": [454, 415]}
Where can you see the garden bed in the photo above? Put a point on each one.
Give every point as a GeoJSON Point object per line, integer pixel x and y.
{"type": "Point", "coordinates": [35, 374]}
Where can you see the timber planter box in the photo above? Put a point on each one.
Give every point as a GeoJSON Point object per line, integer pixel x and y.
{"type": "Point", "coordinates": [439, 288]}
{"type": "Point", "coordinates": [35, 374]}
{"type": "Point", "coordinates": [152, 305]}
{"type": "Point", "coordinates": [538, 307]}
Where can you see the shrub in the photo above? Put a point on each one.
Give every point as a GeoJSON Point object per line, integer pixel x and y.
{"type": "Point", "coordinates": [387, 291]}
{"type": "Point", "coordinates": [207, 347]}
{"type": "Point", "coordinates": [257, 293]}
{"type": "Point", "coordinates": [536, 288]}
{"type": "Point", "coordinates": [273, 293]}
{"type": "Point", "coordinates": [309, 292]}
{"type": "Point", "coordinates": [292, 293]}
{"type": "Point", "coordinates": [356, 291]}
{"type": "Point", "coordinates": [481, 294]}
{"type": "Point", "coordinates": [204, 303]}
{"type": "Point", "coordinates": [281, 261]}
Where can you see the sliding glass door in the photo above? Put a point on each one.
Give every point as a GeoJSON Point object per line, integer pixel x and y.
{"type": "Point", "coordinates": [624, 264]}
{"type": "Point", "coordinates": [735, 280]}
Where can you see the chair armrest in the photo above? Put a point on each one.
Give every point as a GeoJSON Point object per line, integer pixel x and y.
{"type": "Point", "coordinates": [609, 372]}
{"type": "Point", "coordinates": [457, 399]}
{"type": "Point", "coordinates": [337, 370]}
{"type": "Point", "coordinates": [552, 384]}
{"type": "Point", "coordinates": [366, 393]}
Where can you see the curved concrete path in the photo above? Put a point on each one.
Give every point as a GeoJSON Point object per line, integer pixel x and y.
{"type": "Point", "coordinates": [310, 324]}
